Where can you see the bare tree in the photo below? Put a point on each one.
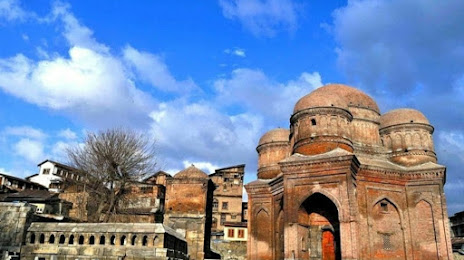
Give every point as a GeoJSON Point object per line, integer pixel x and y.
{"type": "Point", "coordinates": [108, 162]}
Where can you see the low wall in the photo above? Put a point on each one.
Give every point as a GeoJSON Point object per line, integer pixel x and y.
{"type": "Point", "coordinates": [46, 241]}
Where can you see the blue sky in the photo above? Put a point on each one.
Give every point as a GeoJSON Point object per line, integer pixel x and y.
{"type": "Point", "coordinates": [208, 79]}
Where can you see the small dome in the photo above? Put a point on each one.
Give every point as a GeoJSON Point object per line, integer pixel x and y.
{"type": "Point", "coordinates": [336, 95]}
{"type": "Point", "coordinates": [275, 135]}
{"type": "Point", "coordinates": [191, 172]}
{"type": "Point", "coordinates": [402, 116]}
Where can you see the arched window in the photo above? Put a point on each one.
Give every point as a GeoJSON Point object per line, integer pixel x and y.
{"type": "Point", "coordinates": [155, 239]}
{"type": "Point", "coordinates": [113, 240]}
{"type": "Point", "coordinates": [62, 238]}
{"type": "Point", "coordinates": [145, 241]}
{"type": "Point", "coordinates": [91, 240]}
{"type": "Point", "coordinates": [51, 239]}
{"type": "Point", "coordinates": [71, 240]}
{"type": "Point", "coordinates": [32, 239]}
{"type": "Point", "coordinates": [122, 240]}
{"type": "Point", "coordinates": [42, 238]}
{"type": "Point", "coordinates": [81, 240]}
{"type": "Point", "coordinates": [102, 240]}
{"type": "Point", "coordinates": [313, 121]}
{"type": "Point", "coordinates": [134, 239]}
{"type": "Point", "coordinates": [215, 204]}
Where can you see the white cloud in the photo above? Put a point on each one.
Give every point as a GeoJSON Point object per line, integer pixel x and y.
{"type": "Point", "coordinates": [198, 132]}
{"type": "Point", "coordinates": [402, 46]}
{"type": "Point", "coordinates": [237, 52]}
{"type": "Point", "coordinates": [75, 33]}
{"type": "Point", "coordinates": [262, 17]}
{"type": "Point", "coordinates": [207, 167]}
{"type": "Point", "coordinates": [152, 69]}
{"type": "Point", "coordinates": [67, 134]}
{"type": "Point", "coordinates": [10, 10]}
{"type": "Point", "coordinates": [256, 91]}
{"type": "Point", "coordinates": [30, 150]}
{"type": "Point", "coordinates": [25, 131]}
{"type": "Point", "coordinates": [91, 83]}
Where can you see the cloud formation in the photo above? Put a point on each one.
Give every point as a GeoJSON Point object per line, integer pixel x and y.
{"type": "Point", "coordinates": [90, 83]}
{"type": "Point", "coordinates": [151, 68]}
{"type": "Point", "coordinates": [262, 17]}
{"type": "Point", "coordinates": [258, 93]}
{"type": "Point", "coordinates": [385, 45]}
{"type": "Point", "coordinates": [10, 10]}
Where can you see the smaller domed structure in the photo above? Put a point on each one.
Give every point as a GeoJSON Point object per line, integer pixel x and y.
{"type": "Point", "coordinates": [191, 172]}
{"type": "Point", "coordinates": [274, 136]}
{"type": "Point", "coordinates": [407, 134]}
{"type": "Point", "coordinates": [402, 116]}
{"type": "Point", "coordinates": [273, 147]}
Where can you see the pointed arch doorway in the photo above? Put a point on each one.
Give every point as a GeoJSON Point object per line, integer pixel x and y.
{"type": "Point", "coordinates": [319, 228]}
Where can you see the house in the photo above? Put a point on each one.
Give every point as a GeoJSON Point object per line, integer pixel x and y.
{"type": "Point", "coordinates": [9, 184]}
{"type": "Point", "coordinates": [51, 175]}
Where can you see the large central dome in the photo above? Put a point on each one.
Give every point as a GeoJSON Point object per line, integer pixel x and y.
{"type": "Point", "coordinates": [336, 95]}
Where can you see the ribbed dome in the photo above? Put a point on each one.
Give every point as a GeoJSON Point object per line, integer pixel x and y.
{"type": "Point", "coordinates": [275, 135]}
{"type": "Point", "coordinates": [191, 172]}
{"type": "Point", "coordinates": [336, 95]}
{"type": "Point", "coordinates": [402, 116]}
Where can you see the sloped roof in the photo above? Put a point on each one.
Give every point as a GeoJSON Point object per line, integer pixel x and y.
{"type": "Point", "coordinates": [191, 172]}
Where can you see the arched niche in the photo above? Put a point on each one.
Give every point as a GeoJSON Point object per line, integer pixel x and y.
{"type": "Point", "coordinates": [424, 238]}
{"type": "Point", "coordinates": [262, 235]}
{"type": "Point", "coordinates": [319, 228]}
{"type": "Point", "coordinates": [386, 231]}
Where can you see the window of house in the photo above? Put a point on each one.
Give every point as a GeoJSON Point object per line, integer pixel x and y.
{"type": "Point", "coordinates": [225, 205]}
{"type": "Point", "coordinates": [230, 232]}
{"type": "Point", "coordinates": [233, 216]}
{"type": "Point", "coordinates": [223, 219]}
{"type": "Point", "coordinates": [215, 204]}
{"type": "Point", "coordinates": [46, 171]}
{"type": "Point", "coordinates": [241, 233]}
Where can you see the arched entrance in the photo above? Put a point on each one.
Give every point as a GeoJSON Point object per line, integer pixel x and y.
{"type": "Point", "coordinates": [319, 228]}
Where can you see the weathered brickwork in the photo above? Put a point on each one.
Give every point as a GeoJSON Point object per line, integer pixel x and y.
{"type": "Point", "coordinates": [14, 220]}
{"type": "Point", "coordinates": [189, 197]}
{"type": "Point", "coordinates": [345, 182]}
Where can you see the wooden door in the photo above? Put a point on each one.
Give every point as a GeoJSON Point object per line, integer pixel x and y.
{"type": "Point", "coordinates": [328, 245]}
